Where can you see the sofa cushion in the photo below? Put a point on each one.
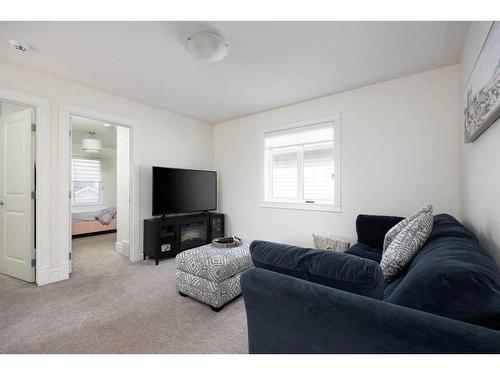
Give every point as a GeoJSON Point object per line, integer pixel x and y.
{"type": "Point", "coordinates": [401, 251]}
{"type": "Point", "coordinates": [389, 288]}
{"type": "Point", "coordinates": [365, 251]}
{"type": "Point", "coordinates": [371, 229]}
{"type": "Point", "coordinates": [336, 270]}
{"type": "Point", "coordinates": [452, 276]}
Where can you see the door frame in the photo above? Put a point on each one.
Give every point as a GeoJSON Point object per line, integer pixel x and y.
{"type": "Point", "coordinates": [65, 113]}
{"type": "Point", "coordinates": [44, 273]}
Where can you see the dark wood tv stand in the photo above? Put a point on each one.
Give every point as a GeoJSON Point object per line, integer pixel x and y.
{"type": "Point", "coordinates": [167, 236]}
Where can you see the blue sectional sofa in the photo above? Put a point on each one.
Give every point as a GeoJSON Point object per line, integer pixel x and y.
{"type": "Point", "coordinates": [312, 301]}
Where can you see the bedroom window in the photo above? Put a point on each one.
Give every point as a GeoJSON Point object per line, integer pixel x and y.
{"type": "Point", "coordinates": [301, 166]}
{"type": "Point", "coordinates": [86, 181]}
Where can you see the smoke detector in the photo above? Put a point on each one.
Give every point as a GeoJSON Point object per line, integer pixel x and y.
{"type": "Point", "coordinates": [19, 46]}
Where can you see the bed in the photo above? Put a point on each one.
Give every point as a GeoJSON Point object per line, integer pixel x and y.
{"type": "Point", "coordinates": [85, 223]}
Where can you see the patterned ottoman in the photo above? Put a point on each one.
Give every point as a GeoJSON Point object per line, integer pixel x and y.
{"type": "Point", "coordinates": [211, 274]}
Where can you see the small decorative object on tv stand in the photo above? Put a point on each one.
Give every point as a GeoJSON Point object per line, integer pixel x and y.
{"type": "Point", "coordinates": [227, 242]}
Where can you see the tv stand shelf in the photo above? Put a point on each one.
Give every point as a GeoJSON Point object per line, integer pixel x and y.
{"type": "Point", "coordinates": [167, 236]}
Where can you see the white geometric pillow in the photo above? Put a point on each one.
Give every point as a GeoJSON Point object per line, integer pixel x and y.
{"type": "Point", "coordinates": [330, 243]}
{"type": "Point", "coordinates": [406, 245]}
{"type": "Point", "coordinates": [395, 230]}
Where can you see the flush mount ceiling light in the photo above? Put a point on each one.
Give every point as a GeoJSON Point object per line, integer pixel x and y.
{"type": "Point", "coordinates": [19, 46]}
{"type": "Point", "coordinates": [207, 45]}
{"type": "Point", "coordinates": [91, 144]}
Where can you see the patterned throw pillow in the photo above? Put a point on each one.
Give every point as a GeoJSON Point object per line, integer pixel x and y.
{"type": "Point", "coordinates": [406, 245]}
{"type": "Point", "coordinates": [106, 215]}
{"type": "Point", "coordinates": [395, 230]}
{"type": "Point", "coordinates": [330, 243]}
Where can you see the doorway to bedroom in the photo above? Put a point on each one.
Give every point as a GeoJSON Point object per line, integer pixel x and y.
{"type": "Point", "coordinates": [99, 195]}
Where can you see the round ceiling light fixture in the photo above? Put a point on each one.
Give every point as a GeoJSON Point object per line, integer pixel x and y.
{"type": "Point", "coordinates": [91, 144]}
{"type": "Point", "coordinates": [207, 45]}
{"type": "Point", "coordinates": [19, 46]}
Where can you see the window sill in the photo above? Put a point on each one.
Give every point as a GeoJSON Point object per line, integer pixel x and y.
{"type": "Point", "coordinates": [302, 206]}
{"type": "Point", "coordinates": [87, 208]}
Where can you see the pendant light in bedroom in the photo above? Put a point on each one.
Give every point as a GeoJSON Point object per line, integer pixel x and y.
{"type": "Point", "coordinates": [91, 144]}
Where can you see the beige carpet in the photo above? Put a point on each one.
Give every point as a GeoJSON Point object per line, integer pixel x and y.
{"type": "Point", "coordinates": [110, 305]}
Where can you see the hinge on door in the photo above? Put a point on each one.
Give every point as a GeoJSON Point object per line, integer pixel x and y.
{"type": "Point", "coordinates": [33, 195]}
{"type": "Point", "coordinates": [69, 256]}
{"type": "Point", "coordinates": [33, 127]}
{"type": "Point", "coordinates": [33, 262]}
{"type": "Point", "coordinates": [70, 132]}
{"type": "Point", "coordinates": [69, 194]}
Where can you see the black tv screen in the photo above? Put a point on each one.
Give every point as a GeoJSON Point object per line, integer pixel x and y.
{"type": "Point", "coordinates": [183, 190]}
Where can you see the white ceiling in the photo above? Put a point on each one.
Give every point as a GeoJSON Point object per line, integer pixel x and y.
{"type": "Point", "coordinates": [82, 126]}
{"type": "Point", "coordinates": [270, 64]}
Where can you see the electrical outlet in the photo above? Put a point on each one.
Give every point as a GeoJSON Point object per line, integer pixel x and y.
{"type": "Point", "coordinates": [165, 247]}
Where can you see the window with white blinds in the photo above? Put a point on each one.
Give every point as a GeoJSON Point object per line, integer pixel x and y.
{"type": "Point", "coordinates": [86, 181]}
{"type": "Point", "coordinates": [300, 164]}
{"type": "Point", "coordinates": [318, 172]}
{"type": "Point", "coordinates": [285, 173]}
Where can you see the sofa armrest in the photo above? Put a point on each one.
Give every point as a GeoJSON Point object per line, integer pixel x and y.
{"type": "Point", "coordinates": [333, 269]}
{"type": "Point", "coordinates": [289, 315]}
{"type": "Point", "coordinates": [371, 229]}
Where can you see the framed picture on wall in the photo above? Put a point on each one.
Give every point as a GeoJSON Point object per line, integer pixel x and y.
{"type": "Point", "coordinates": [482, 93]}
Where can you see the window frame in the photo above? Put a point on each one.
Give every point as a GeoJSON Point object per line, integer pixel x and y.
{"type": "Point", "coordinates": [101, 183]}
{"type": "Point", "coordinates": [266, 170]}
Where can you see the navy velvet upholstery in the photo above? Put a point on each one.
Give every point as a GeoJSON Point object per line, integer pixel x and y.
{"type": "Point", "coordinates": [446, 301]}
{"type": "Point", "coordinates": [452, 276]}
{"type": "Point", "coordinates": [371, 229]}
{"type": "Point", "coordinates": [336, 270]}
{"type": "Point", "coordinates": [290, 315]}
{"type": "Point", "coordinates": [365, 251]}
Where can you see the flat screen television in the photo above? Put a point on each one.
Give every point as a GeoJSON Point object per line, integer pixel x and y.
{"type": "Point", "coordinates": [183, 191]}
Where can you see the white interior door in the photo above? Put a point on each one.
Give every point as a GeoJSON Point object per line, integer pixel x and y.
{"type": "Point", "coordinates": [16, 203]}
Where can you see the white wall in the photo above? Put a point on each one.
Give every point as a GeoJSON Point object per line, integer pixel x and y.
{"type": "Point", "coordinates": [108, 160]}
{"type": "Point", "coordinates": [399, 146]}
{"type": "Point", "coordinates": [122, 194]}
{"type": "Point", "coordinates": [480, 160]}
{"type": "Point", "coordinates": [165, 138]}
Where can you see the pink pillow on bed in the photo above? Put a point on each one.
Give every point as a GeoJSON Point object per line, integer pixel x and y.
{"type": "Point", "coordinates": [106, 215]}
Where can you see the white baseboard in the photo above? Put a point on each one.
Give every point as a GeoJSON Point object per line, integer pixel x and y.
{"type": "Point", "coordinates": [43, 277]}
{"type": "Point", "coordinates": [63, 271]}
{"type": "Point", "coordinates": [47, 276]}
{"type": "Point", "coordinates": [54, 275]}
{"type": "Point", "coordinates": [137, 255]}
{"type": "Point", "coordinates": [123, 247]}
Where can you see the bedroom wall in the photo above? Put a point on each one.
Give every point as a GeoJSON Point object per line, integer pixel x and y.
{"type": "Point", "coordinates": [480, 159]}
{"type": "Point", "coordinates": [164, 138]}
{"type": "Point", "coordinates": [108, 157]}
{"type": "Point", "coordinates": [399, 149]}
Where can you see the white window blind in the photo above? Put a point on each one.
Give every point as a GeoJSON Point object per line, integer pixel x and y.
{"type": "Point", "coordinates": [86, 169]}
{"type": "Point", "coordinates": [87, 180]}
{"type": "Point", "coordinates": [300, 135]}
{"type": "Point", "coordinates": [300, 164]}
{"type": "Point", "coordinates": [319, 172]}
{"type": "Point", "coordinates": [285, 173]}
